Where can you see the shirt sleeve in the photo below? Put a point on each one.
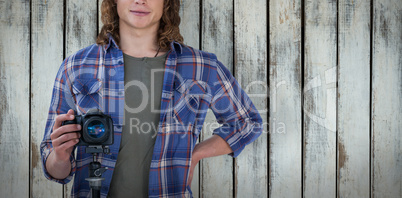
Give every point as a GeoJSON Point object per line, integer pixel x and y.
{"type": "Point", "coordinates": [62, 100]}
{"type": "Point", "coordinates": [240, 121]}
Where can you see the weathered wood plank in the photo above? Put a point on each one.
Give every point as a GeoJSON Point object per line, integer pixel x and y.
{"type": "Point", "coordinates": [250, 27]}
{"type": "Point", "coordinates": [14, 98]}
{"type": "Point", "coordinates": [47, 55]}
{"type": "Point", "coordinates": [190, 22]}
{"type": "Point", "coordinates": [81, 25]}
{"type": "Point", "coordinates": [100, 24]}
{"type": "Point", "coordinates": [353, 177]}
{"type": "Point", "coordinates": [81, 31]}
{"type": "Point", "coordinates": [190, 29]}
{"type": "Point", "coordinates": [285, 98]}
{"type": "Point", "coordinates": [217, 37]}
{"type": "Point", "coordinates": [320, 99]}
{"type": "Point", "coordinates": [387, 99]}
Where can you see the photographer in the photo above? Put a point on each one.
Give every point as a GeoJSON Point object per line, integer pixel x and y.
{"type": "Point", "coordinates": [140, 53]}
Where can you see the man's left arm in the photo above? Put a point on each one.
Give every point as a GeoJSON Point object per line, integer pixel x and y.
{"type": "Point", "coordinates": [241, 121]}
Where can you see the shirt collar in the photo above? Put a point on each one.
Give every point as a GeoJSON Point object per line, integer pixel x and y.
{"type": "Point", "coordinates": [111, 42]}
{"type": "Point", "coordinates": [174, 46]}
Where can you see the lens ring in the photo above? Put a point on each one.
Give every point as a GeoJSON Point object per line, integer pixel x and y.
{"type": "Point", "coordinates": [95, 131]}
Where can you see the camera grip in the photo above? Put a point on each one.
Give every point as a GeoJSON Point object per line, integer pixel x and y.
{"type": "Point", "coordinates": [69, 122]}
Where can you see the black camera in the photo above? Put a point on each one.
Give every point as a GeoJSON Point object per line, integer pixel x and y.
{"type": "Point", "coordinates": [96, 128]}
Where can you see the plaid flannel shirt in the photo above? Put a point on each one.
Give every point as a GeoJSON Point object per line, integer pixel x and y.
{"type": "Point", "coordinates": [194, 81]}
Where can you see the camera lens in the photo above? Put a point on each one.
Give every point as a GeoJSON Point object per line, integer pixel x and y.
{"type": "Point", "coordinates": [96, 129]}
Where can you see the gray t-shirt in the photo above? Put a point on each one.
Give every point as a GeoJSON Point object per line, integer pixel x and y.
{"type": "Point", "coordinates": [143, 79]}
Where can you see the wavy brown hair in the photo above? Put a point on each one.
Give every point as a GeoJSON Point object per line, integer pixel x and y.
{"type": "Point", "coordinates": [168, 29]}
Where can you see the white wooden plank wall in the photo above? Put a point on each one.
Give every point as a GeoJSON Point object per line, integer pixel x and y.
{"type": "Point", "coordinates": [320, 99]}
{"type": "Point", "coordinates": [285, 83]}
{"type": "Point", "coordinates": [334, 106]}
{"type": "Point", "coordinates": [251, 60]}
{"type": "Point", "coordinates": [353, 178]}
{"type": "Point", "coordinates": [217, 37]}
{"type": "Point", "coordinates": [47, 24]}
{"type": "Point", "coordinates": [387, 99]}
{"type": "Point", "coordinates": [80, 31]}
{"type": "Point", "coordinates": [191, 29]}
{"type": "Point", "coordinates": [14, 99]}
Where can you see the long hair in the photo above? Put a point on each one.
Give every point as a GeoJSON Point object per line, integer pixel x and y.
{"type": "Point", "coordinates": [168, 29]}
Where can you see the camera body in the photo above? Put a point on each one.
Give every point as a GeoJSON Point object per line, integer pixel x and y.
{"type": "Point", "coordinates": [96, 128]}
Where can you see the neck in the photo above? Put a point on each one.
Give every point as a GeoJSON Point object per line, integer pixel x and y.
{"type": "Point", "coordinates": [139, 42]}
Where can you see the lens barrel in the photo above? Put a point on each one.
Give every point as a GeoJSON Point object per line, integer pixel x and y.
{"type": "Point", "coordinates": [95, 131]}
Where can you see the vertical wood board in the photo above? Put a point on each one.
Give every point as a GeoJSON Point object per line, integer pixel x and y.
{"type": "Point", "coordinates": [47, 56]}
{"type": "Point", "coordinates": [387, 99]}
{"type": "Point", "coordinates": [81, 25]}
{"type": "Point", "coordinates": [320, 99]}
{"type": "Point", "coordinates": [251, 166]}
{"type": "Point", "coordinates": [190, 22]}
{"type": "Point", "coordinates": [190, 30]}
{"type": "Point", "coordinates": [285, 98]}
{"type": "Point", "coordinates": [14, 98]}
{"type": "Point", "coordinates": [100, 24]}
{"type": "Point", "coordinates": [81, 31]}
{"type": "Point", "coordinates": [353, 177]}
{"type": "Point", "coordinates": [217, 38]}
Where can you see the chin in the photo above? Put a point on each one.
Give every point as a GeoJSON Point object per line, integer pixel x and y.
{"type": "Point", "coordinates": [140, 25]}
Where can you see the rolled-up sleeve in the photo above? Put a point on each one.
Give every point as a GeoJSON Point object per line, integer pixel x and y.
{"type": "Point", "coordinates": [240, 121]}
{"type": "Point", "coordinates": [62, 100]}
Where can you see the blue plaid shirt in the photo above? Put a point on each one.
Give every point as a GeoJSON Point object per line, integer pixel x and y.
{"type": "Point", "coordinates": [194, 81]}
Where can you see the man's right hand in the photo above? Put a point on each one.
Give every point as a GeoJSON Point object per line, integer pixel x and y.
{"type": "Point", "coordinates": [63, 140]}
{"type": "Point", "coordinates": [63, 137]}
